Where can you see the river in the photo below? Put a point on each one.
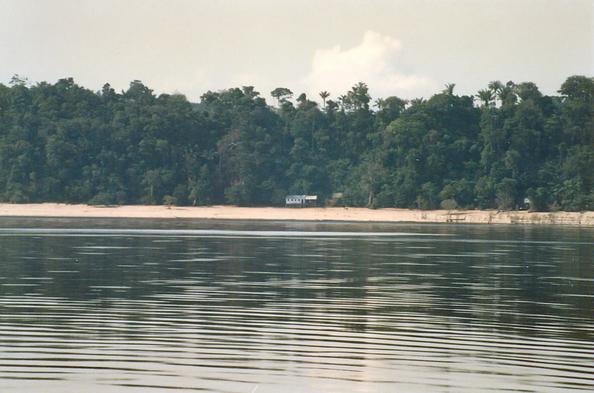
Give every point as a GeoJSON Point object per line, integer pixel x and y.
{"type": "Point", "coordinates": [259, 307]}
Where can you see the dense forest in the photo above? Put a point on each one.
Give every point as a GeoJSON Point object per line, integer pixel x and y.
{"type": "Point", "coordinates": [64, 143]}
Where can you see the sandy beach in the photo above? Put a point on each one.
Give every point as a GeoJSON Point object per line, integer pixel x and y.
{"type": "Point", "coordinates": [305, 214]}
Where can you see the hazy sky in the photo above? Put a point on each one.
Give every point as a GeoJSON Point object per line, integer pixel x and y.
{"type": "Point", "coordinates": [405, 48]}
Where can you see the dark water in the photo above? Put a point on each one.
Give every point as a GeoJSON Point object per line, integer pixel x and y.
{"type": "Point", "coordinates": [141, 306]}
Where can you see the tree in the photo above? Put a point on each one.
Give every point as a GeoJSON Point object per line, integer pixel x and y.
{"type": "Point", "coordinates": [578, 108]}
{"type": "Point", "coordinates": [281, 94]}
{"type": "Point", "coordinates": [449, 89]}
{"type": "Point", "coordinates": [528, 91]}
{"type": "Point", "coordinates": [389, 109]}
{"type": "Point", "coordinates": [486, 96]}
{"type": "Point", "coordinates": [507, 94]}
{"type": "Point", "coordinates": [138, 92]}
{"type": "Point", "coordinates": [506, 193]}
{"type": "Point", "coordinates": [17, 80]}
{"type": "Point", "coordinates": [359, 97]}
{"type": "Point", "coordinates": [495, 87]}
{"type": "Point", "coordinates": [65, 143]}
{"type": "Point", "coordinates": [324, 95]}
{"type": "Point", "coordinates": [302, 99]}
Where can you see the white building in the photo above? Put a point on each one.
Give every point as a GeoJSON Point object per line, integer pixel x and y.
{"type": "Point", "coordinates": [301, 200]}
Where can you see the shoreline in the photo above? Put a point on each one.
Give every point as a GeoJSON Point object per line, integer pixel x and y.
{"type": "Point", "coordinates": [350, 214]}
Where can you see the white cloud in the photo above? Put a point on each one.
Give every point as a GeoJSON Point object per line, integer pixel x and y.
{"type": "Point", "coordinates": [374, 61]}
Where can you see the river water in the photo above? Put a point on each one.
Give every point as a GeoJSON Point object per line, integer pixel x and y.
{"type": "Point", "coordinates": [204, 306]}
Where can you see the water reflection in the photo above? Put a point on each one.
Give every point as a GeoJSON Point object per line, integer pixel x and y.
{"type": "Point", "coordinates": [116, 306]}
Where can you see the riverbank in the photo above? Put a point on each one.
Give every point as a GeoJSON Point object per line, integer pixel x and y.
{"type": "Point", "coordinates": [306, 214]}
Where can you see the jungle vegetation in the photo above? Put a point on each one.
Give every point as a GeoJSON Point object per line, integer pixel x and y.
{"type": "Point", "coordinates": [64, 143]}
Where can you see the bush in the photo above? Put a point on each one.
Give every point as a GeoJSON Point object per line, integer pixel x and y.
{"type": "Point", "coordinates": [449, 204]}
{"type": "Point", "coordinates": [169, 200]}
{"type": "Point", "coordinates": [102, 198]}
{"type": "Point", "coordinates": [505, 193]}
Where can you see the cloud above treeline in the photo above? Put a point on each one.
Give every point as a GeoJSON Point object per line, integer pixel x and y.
{"type": "Point", "coordinates": [375, 61]}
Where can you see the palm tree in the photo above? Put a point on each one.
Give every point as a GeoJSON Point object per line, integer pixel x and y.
{"type": "Point", "coordinates": [449, 89]}
{"type": "Point", "coordinates": [486, 96]}
{"type": "Point", "coordinates": [324, 94]}
{"type": "Point", "coordinates": [495, 86]}
{"type": "Point", "coordinates": [507, 94]}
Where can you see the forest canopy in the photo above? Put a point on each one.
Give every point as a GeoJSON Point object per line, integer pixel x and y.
{"type": "Point", "coordinates": [64, 143]}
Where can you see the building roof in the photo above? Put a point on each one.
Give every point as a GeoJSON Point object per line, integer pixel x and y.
{"type": "Point", "coordinates": [306, 197]}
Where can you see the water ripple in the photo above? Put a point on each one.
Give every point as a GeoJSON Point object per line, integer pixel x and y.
{"type": "Point", "coordinates": [294, 311]}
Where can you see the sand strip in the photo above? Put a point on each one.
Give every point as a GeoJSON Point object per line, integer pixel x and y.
{"type": "Point", "coordinates": [304, 214]}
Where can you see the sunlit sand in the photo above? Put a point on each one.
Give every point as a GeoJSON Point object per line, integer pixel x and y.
{"type": "Point", "coordinates": [297, 214]}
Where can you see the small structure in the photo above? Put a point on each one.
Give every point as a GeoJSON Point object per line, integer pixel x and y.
{"type": "Point", "coordinates": [301, 200]}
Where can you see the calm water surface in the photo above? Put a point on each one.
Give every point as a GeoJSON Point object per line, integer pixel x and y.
{"type": "Point", "coordinates": [140, 306]}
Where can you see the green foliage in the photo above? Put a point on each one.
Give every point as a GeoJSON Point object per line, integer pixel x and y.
{"type": "Point", "coordinates": [61, 142]}
{"type": "Point", "coordinates": [169, 200]}
{"type": "Point", "coordinates": [282, 94]}
{"type": "Point", "coordinates": [506, 193]}
{"type": "Point", "coordinates": [448, 204]}
{"type": "Point", "coordinates": [538, 198]}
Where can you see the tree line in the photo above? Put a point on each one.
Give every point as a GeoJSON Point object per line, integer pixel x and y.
{"type": "Point", "coordinates": [64, 143]}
